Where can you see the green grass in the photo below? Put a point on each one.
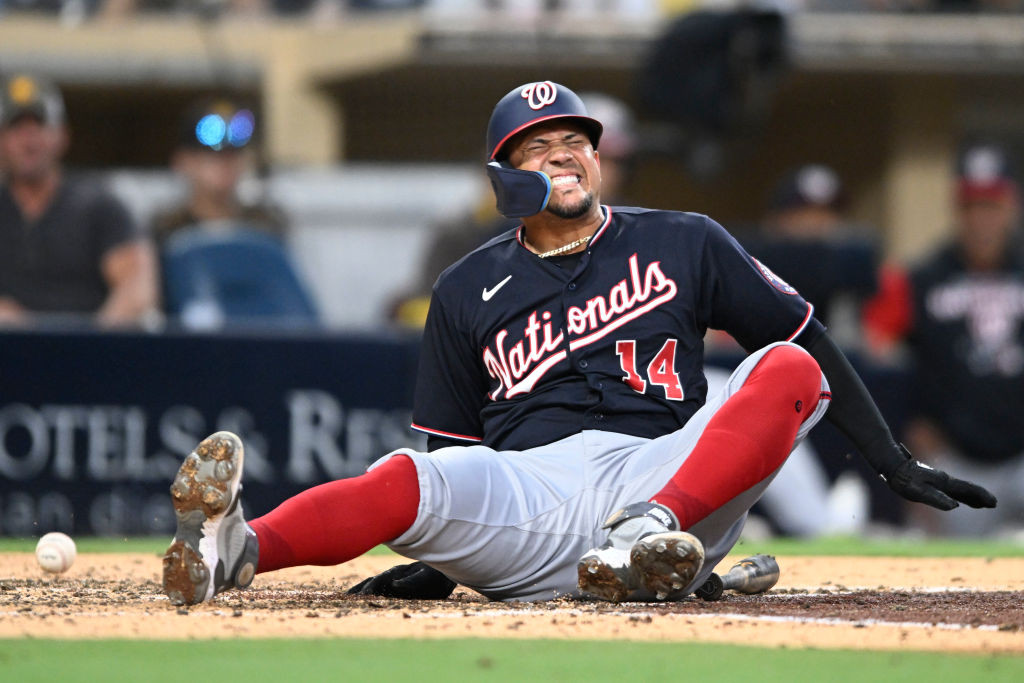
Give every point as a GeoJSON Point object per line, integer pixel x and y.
{"type": "Point", "coordinates": [93, 545]}
{"type": "Point", "coordinates": [850, 545]}
{"type": "Point", "coordinates": [477, 660]}
{"type": "Point", "coordinates": [838, 545]}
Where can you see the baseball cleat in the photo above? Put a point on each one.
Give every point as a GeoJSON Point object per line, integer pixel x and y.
{"type": "Point", "coordinates": [606, 573]}
{"type": "Point", "coordinates": [625, 563]}
{"type": "Point", "coordinates": [213, 548]}
{"type": "Point", "coordinates": [667, 563]}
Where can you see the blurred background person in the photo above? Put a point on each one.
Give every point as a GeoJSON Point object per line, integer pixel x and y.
{"type": "Point", "coordinates": [807, 240]}
{"type": "Point", "coordinates": [214, 154]}
{"type": "Point", "coordinates": [67, 246]}
{"type": "Point", "coordinates": [966, 339]}
{"type": "Point", "coordinates": [223, 252]}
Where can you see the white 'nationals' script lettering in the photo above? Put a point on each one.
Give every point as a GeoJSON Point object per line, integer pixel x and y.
{"type": "Point", "coordinates": [520, 365]}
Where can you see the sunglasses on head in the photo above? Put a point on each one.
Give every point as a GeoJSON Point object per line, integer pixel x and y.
{"type": "Point", "coordinates": [217, 133]}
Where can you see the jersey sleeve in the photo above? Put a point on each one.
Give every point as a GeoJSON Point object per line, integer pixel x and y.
{"type": "Point", "coordinates": [747, 300]}
{"type": "Point", "coordinates": [448, 395]}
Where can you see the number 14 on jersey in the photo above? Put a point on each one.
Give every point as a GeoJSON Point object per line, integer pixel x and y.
{"type": "Point", "coordinates": [661, 371]}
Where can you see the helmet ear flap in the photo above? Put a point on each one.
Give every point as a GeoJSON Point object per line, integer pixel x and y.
{"type": "Point", "coordinates": [519, 193]}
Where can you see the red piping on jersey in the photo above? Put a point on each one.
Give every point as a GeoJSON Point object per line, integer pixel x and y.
{"type": "Point", "coordinates": [806, 320]}
{"type": "Point", "coordinates": [450, 435]}
{"type": "Point", "coordinates": [607, 222]}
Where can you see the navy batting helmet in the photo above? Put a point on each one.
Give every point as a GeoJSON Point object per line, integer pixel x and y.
{"type": "Point", "coordinates": [531, 104]}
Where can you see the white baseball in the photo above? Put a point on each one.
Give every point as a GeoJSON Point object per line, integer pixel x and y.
{"type": "Point", "coordinates": [55, 552]}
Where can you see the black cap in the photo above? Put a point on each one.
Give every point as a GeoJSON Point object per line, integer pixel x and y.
{"type": "Point", "coordinates": [810, 185]}
{"type": "Point", "coordinates": [26, 95]}
{"type": "Point", "coordinates": [984, 173]}
{"type": "Point", "coordinates": [217, 124]}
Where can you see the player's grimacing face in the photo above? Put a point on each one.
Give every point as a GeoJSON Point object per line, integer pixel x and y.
{"type": "Point", "coordinates": [563, 151]}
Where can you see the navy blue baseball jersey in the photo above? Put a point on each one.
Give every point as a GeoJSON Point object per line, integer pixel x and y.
{"type": "Point", "coordinates": [519, 351]}
{"type": "Point", "coordinates": [968, 337]}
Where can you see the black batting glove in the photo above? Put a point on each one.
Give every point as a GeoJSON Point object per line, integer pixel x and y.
{"type": "Point", "coordinates": [924, 484]}
{"type": "Point", "coordinates": [415, 581]}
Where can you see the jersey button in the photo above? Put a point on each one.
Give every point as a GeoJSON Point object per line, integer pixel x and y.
{"type": "Point", "coordinates": [600, 385]}
{"type": "Point", "coordinates": [598, 416]}
{"type": "Point", "coordinates": [572, 286]}
{"type": "Point", "coordinates": [583, 363]}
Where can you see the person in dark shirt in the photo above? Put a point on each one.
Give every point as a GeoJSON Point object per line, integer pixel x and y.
{"type": "Point", "coordinates": [224, 256]}
{"type": "Point", "coordinates": [806, 239]}
{"type": "Point", "coordinates": [966, 336]}
{"type": "Point", "coordinates": [67, 246]}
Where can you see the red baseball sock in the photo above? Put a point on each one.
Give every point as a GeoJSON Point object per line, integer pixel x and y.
{"type": "Point", "coordinates": [749, 437]}
{"type": "Point", "coordinates": [336, 522]}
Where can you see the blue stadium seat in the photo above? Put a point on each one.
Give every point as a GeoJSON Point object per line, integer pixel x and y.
{"type": "Point", "coordinates": [237, 277]}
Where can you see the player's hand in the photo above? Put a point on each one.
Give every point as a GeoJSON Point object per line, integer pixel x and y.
{"type": "Point", "coordinates": [924, 484]}
{"type": "Point", "coordinates": [415, 581]}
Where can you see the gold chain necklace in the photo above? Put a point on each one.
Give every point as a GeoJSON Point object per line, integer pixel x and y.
{"type": "Point", "coordinates": [566, 247]}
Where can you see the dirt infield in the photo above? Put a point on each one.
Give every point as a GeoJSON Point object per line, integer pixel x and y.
{"type": "Point", "coordinates": [961, 605]}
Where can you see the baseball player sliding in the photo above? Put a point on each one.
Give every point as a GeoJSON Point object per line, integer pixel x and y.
{"type": "Point", "coordinates": [571, 449]}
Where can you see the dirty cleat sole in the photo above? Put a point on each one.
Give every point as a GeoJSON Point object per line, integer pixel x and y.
{"type": "Point", "coordinates": [205, 492]}
{"type": "Point", "coordinates": [606, 574]}
{"type": "Point", "coordinates": [667, 563]}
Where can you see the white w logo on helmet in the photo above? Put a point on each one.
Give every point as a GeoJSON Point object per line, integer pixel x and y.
{"type": "Point", "coordinates": [540, 95]}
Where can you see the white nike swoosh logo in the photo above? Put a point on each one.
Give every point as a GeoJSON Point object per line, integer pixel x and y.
{"type": "Point", "coordinates": [488, 293]}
